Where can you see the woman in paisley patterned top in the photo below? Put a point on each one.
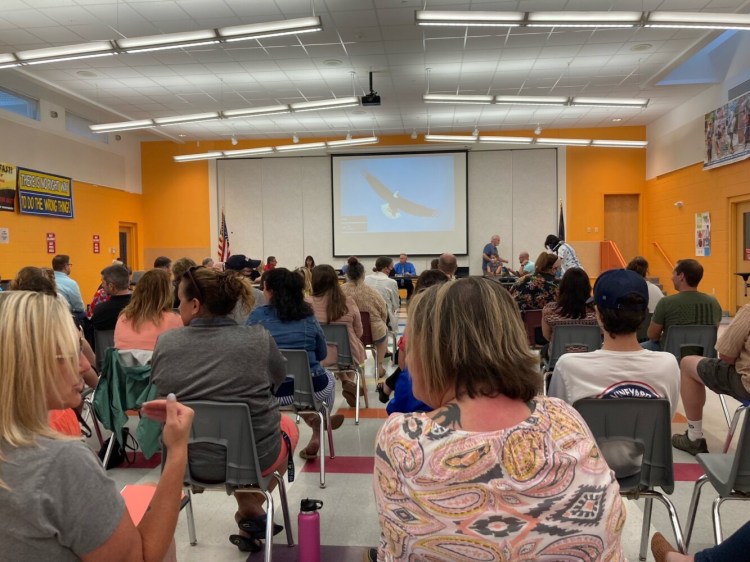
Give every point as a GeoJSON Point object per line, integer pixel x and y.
{"type": "Point", "coordinates": [496, 471]}
{"type": "Point", "coordinates": [534, 291]}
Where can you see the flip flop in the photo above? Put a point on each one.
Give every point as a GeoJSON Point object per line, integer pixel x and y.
{"type": "Point", "coordinates": [256, 526]}
{"type": "Point", "coordinates": [384, 398]}
{"type": "Point", "coordinates": [305, 454]}
{"type": "Point", "coordinates": [246, 544]}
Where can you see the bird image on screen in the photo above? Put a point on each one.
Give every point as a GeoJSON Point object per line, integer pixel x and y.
{"type": "Point", "coordinates": [394, 203]}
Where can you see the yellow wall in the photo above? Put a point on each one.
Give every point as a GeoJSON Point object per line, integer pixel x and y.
{"type": "Point", "coordinates": [98, 210]}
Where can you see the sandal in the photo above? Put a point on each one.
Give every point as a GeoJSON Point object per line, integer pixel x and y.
{"type": "Point", "coordinates": [307, 455]}
{"type": "Point", "coordinates": [256, 526]}
{"type": "Point", "coordinates": [246, 544]}
{"type": "Point", "coordinates": [384, 398]}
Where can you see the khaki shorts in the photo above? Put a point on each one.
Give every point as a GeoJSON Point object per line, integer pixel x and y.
{"type": "Point", "coordinates": [722, 378]}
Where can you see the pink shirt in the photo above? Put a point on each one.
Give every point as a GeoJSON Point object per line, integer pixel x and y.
{"type": "Point", "coordinates": [145, 337]}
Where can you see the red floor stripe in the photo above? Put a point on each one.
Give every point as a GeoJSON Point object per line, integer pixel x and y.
{"type": "Point", "coordinates": [343, 465]}
{"type": "Point", "coordinates": [364, 413]}
{"type": "Point", "coordinates": [687, 471]}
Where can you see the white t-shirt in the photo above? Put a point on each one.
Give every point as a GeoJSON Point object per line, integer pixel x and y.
{"type": "Point", "coordinates": [654, 296]}
{"type": "Point", "coordinates": [617, 374]}
{"type": "Point", "coordinates": [388, 288]}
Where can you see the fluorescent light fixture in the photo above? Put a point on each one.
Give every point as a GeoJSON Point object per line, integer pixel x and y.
{"type": "Point", "coordinates": [177, 119]}
{"type": "Point", "coordinates": [202, 156]}
{"type": "Point", "coordinates": [254, 111]}
{"type": "Point", "coordinates": [583, 19]}
{"type": "Point", "coordinates": [270, 29]}
{"type": "Point", "coordinates": [610, 102]}
{"type": "Point", "coordinates": [50, 54]}
{"type": "Point", "coordinates": [471, 19]}
{"type": "Point", "coordinates": [450, 138]}
{"type": "Point", "coordinates": [353, 142]}
{"type": "Point", "coordinates": [698, 20]}
{"type": "Point", "coordinates": [532, 100]}
{"type": "Point", "coordinates": [123, 126]}
{"type": "Point", "coordinates": [505, 140]}
{"type": "Point", "coordinates": [247, 152]}
{"type": "Point", "coordinates": [450, 98]}
{"type": "Point", "coordinates": [565, 142]}
{"type": "Point", "coordinates": [71, 57]}
{"type": "Point", "coordinates": [619, 143]}
{"type": "Point", "coordinates": [301, 146]}
{"type": "Point", "coordinates": [325, 104]}
{"type": "Point", "coordinates": [167, 41]}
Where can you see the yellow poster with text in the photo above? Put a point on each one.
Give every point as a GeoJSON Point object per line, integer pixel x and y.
{"type": "Point", "coordinates": [7, 187]}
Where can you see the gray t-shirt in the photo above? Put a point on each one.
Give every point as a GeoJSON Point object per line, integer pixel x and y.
{"type": "Point", "coordinates": [59, 504]}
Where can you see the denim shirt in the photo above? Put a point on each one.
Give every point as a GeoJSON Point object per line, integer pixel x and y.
{"type": "Point", "coordinates": [297, 334]}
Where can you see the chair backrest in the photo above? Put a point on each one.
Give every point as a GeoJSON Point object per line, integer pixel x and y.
{"type": "Point", "coordinates": [337, 333]}
{"type": "Point", "coordinates": [298, 367]}
{"type": "Point", "coordinates": [366, 328]}
{"type": "Point", "coordinates": [221, 448]}
{"type": "Point", "coordinates": [642, 332]}
{"type": "Point", "coordinates": [626, 425]}
{"type": "Point", "coordinates": [691, 340]}
{"type": "Point", "coordinates": [103, 340]}
{"type": "Point", "coordinates": [565, 337]}
{"type": "Point", "coordinates": [532, 321]}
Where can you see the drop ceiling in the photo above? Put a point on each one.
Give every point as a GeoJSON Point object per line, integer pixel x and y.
{"type": "Point", "coordinates": [359, 36]}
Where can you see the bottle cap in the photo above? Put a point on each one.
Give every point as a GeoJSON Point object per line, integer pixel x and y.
{"type": "Point", "coordinates": [310, 505]}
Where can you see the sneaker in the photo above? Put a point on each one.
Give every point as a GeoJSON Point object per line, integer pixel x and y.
{"type": "Point", "coordinates": [371, 555]}
{"type": "Point", "coordinates": [682, 442]}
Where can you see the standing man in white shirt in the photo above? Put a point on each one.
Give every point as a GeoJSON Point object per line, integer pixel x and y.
{"type": "Point", "coordinates": [380, 281]}
{"type": "Point", "coordinates": [621, 368]}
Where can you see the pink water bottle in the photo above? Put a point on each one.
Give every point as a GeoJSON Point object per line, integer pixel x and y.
{"type": "Point", "coordinates": [308, 529]}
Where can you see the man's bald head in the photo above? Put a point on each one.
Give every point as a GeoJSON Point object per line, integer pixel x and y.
{"type": "Point", "coordinates": [447, 264]}
{"type": "Point", "coordinates": [495, 240]}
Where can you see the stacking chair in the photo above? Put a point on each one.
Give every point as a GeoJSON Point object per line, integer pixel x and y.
{"type": "Point", "coordinates": [728, 472]}
{"type": "Point", "coordinates": [103, 340]}
{"type": "Point", "coordinates": [298, 367]}
{"type": "Point", "coordinates": [633, 435]}
{"type": "Point", "coordinates": [367, 339]}
{"type": "Point", "coordinates": [532, 321]}
{"type": "Point", "coordinates": [338, 334]}
{"type": "Point", "coordinates": [222, 453]}
{"type": "Point", "coordinates": [642, 332]}
{"type": "Point", "coordinates": [571, 339]}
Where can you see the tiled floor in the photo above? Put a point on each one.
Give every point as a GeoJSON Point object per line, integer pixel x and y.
{"type": "Point", "coordinates": [349, 518]}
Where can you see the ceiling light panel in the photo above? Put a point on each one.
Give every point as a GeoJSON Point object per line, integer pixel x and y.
{"type": "Point", "coordinates": [247, 152]}
{"type": "Point", "coordinates": [532, 100]}
{"type": "Point", "coordinates": [167, 41]}
{"type": "Point", "coordinates": [564, 142]}
{"type": "Point", "coordinates": [449, 98]}
{"type": "Point", "coordinates": [619, 143]}
{"type": "Point", "coordinates": [699, 20]}
{"type": "Point", "coordinates": [300, 146]}
{"type": "Point", "coordinates": [470, 19]}
{"type": "Point", "coordinates": [177, 119]}
{"type": "Point", "coordinates": [270, 29]}
{"type": "Point", "coordinates": [123, 126]}
{"type": "Point", "coordinates": [353, 142]}
{"type": "Point", "coordinates": [252, 111]}
{"type": "Point", "coordinates": [202, 156]}
{"type": "Point", "coordinates": [325, 104]}
{"type": "Point", "coordinates": [583, 19]}
{"type": "Point", "coordinates": [450, 138]}
{"type": "Point", "coordinates": [95, 48]}
{"type": "Point", "coordinates": [490, 139]}
{"type": "Point", "coordinates": [610, 102]}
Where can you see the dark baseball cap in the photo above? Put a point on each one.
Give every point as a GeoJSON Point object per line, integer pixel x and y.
{"type": "Point", "coordinates": [238, 262]}
{"type": "Point", "coordinates": [614, 285]}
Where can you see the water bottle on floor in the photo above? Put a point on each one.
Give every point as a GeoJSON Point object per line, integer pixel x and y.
{"type": "Point", "coordinates": [308, 529]}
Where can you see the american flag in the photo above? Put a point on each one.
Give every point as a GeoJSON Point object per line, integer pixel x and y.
{"type": "Point", "coordinates": [223, 248]}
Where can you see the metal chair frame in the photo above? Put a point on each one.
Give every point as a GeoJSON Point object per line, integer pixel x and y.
{"type": "Point", "coordinates": [338, 334]}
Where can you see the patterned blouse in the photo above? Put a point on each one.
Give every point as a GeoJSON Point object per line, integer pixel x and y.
{"type": "Point", "coordinates": [369, 300]}
{"type": "Point", "coordinates": [534, 291]}
{"type": "Point", "coordinates": [538, 491]}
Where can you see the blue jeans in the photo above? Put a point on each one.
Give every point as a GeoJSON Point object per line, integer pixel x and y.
{"type": "Point", "coordinates": [735, 547]}
{"type": "Point", "coordinates": [651, 345]}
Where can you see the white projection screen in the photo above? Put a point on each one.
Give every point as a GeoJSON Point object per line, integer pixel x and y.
{"type": "Point", "coordinates": [386, 204]}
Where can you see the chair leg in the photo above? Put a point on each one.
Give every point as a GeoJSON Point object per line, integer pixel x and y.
{"type": "Point", "coordinates": [717, 520]}
{"type": "Point", "coordinates": [693, 508]}
{"type": "Point", "coordinates": [284, 508]}
{"type": "Point", "coordinates": [724, 408]}
{"type": "Point", "coordinates": [364, 384]}
{"type": "Point", "coordinates": [673, 519]}
{"type": "Point", "coordinates": [269, 526]}
{"type": "Point", "coordinates": [331, 452]}
{"type": "Point", "coordinates": [646, 526]}
{"type": "Point", "coordinates": [190, 518]}
{"type": "Point", "coordinates": [357, 379]}
{"type": "Point", "coordinates": [322, 450]}
{"type": "Point", "coordinates": [110, 448]}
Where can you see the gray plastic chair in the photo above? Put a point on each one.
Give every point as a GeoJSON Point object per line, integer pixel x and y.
{"type": "Point", "coordinates": [103, 340]}
{"type": "Point", "coordinates": [298, 367]}
{"type": "Point", "coordinates": [338, 334]}
{"type": "Point", "coordinates": [222, 453]}
{"type": "Point", "coordinates": [532, 321]}
{"type": "Point", "coordinates": [729, 473]}
{"type": "Point", "coordinates": [642, 332]}
{"type": "Point", "coordinates": [637, 430]}
{"type": "Point", "coordinates": [565, 337]}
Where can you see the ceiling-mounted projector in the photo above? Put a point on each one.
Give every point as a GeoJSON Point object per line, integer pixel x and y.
{"type": "Point", "coordinates": [372, 98]}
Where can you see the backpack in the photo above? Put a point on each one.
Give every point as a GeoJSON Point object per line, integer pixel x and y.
{"type": "Point", "coordinates": [120, 452]}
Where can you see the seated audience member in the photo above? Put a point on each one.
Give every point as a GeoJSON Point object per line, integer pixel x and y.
{"type": "Point", "coordinates": [292, 324]}
{"type": "Point", "coordinates": [381, 281]}
{"type": "Point", "coordinates": [163, 262]}
{"type": "Point", "coordinates": [368, 300]}
{"type": "Point", "coordinates": [571, 307]}
{"type": "Point", "coordinates": [621, 368]}
{"type": "Point", "coordinates": [270, 263]}
{"type": "Point", "coordinates": [565, 251]}
{"type": "Point", "coordinates": [330, 304]}
{"type": "Point", "coordinates": [309, 262]}
{"type": "Point", "coordinates": [214, 358]}
{"type": "Point", "coordinates": [306, 275]}
{"type": "Point", "coordinates": [538, 289]}
{"type": "Point", "coordinates": [148, 314]}
{"type": "Point", "coordinates": [448, 264]}
{"type": "Point", "coordinates": [731, 549]}
{"type": "Point", "coordinates": [509, 460]}
{"type": "Point", "coordinates": [640, 266]}
{"type": "Point", "coordinates": [66, 286]}
{"type": "Point", "coordinates": [56, 501]}
{"type": "Point", "coordinates": [434, 263]}
{"type": "Point", "coordinates": [244, 268]}
{"type": "Point", "coordinates": [179, 268]}
{"type": "Point", "coordinates": [729, 374]}
{"type": "Point", "coordinates": [526, 265]}
{"type": "Point", "coordinates": [208, 262]}
{"type": "Point", "coordinates": [405, 270]}
{"type": "Point", "coordinates": [688, 306]}
{"type": "Point", "coordinates": [101, 294]}
{"type": "Point", "coordinates": [116, 281]}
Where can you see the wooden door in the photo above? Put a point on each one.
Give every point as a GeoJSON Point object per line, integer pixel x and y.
{"type": "Point", "coordinates": [622, 224]}
{"type": "Point", "coordinates": [742, 251]}
{"type": "Point", "coordinates": [127, 239]}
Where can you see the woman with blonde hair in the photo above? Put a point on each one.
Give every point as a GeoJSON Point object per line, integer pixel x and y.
{"type": "Point", "coordinates": [469, 477]}
{"type": "Point", "coordinates": [56, 501]}
{"type": "Point", "coordinates": [148, 314]}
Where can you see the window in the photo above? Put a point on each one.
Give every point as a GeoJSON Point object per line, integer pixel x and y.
{"type": "Point", "coordinates": [80, 126]}
{"type": "Point", "coordinates": [20, 104]}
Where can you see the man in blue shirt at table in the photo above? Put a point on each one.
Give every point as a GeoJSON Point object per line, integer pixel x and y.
{"type": "Point", "coordinates": [404, 271]}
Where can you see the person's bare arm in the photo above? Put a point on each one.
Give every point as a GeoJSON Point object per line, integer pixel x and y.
{"type": "Point", "coordinates": [546, 329]}
{"type": "Point", "coordinates": [654, 331]}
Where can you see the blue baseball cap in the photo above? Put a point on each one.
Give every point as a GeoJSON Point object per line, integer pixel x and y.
{"type": "Point", "coordinates": [614, 285]}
